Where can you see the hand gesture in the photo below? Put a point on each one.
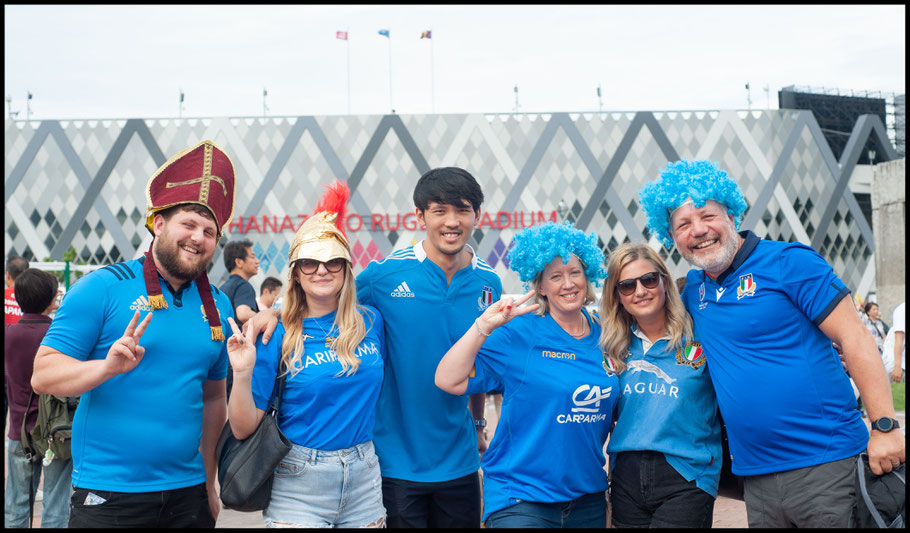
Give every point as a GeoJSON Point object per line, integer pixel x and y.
{"type": "Point", "coordinates": [241, 349]}
{"type": "Point", "coordinates": [503, 311]}
{"type": "Point", "coordinates": [126, 353]}
{"type": "Point", "coordinates": [264, 322]}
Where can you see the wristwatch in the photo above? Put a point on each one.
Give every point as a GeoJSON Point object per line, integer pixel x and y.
{"type": "Point", "coordinates": [885, 424]}
{"type": "Point", "coordinates": [482, 423]}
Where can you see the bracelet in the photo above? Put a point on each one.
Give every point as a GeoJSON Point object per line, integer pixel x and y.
{"type": "Point", "coordinates": [478, 328]}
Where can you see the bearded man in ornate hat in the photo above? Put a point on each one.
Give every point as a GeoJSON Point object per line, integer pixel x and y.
{"type": "Point", "coordinates": [766, 313]}
{"type": "Point", "coordinates": [143, 342]}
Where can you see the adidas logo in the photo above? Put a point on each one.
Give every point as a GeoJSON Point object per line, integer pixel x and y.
{"type": "Point", "coordinates": [403, 291]}
{"type": "Point", "coordinates": [141, 304]}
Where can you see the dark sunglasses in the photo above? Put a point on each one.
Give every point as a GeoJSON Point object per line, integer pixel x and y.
{"type": "Point", "coordinates": [310, 266]}
{"type": "Point", "coordinates": [628, 286]}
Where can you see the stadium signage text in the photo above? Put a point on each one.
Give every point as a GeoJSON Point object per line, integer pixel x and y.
{"type": "Point", "coordinates": [387, 221]}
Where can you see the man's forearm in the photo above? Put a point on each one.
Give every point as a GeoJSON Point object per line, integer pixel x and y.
{"type": "Point", "coordinates": [214, 415]}
{"type": "Point", "coordinates": [62, 375]}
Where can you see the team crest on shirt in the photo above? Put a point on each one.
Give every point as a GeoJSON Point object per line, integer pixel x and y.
{"type": "Point", "coordinates": [486, 298]}
{"type": "Point", "coordinates": [701, 296]}
{"type": "Point", "coordinates": [693, 355]}
{"type": "Point", "coordinates": [609, 366]}
{"type": "Point", "coordinates": [204, 318]}
{"type": "Point", "coordinates": [746, 286]}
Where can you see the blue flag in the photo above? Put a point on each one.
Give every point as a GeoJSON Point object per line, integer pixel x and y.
{"type": "Point", "coordinates": [384, 33]}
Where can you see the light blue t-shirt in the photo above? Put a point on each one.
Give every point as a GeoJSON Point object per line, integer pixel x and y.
{"type": "Point", "coordinates": [558, 404]}
{"type": "Point", "coordinates": [140, 431]}
{"type": "Point", "coordinates": [668, 405]}
{"type": "Point", "coordinates": [422, 433]}
{"type": "Point", "coordinates": [322, 409]}
{"type": "Point", "coordinates": [785, 398]}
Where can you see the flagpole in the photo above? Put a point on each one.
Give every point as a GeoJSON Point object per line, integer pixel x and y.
{"type": "Point", "coordinates": [390, 69]}
{"type": "Point", "coordinates": [432, 75]}
{"type": "Point", "coordinates": [348, 47]}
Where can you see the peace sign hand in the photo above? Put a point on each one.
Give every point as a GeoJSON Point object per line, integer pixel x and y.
{"type": "Point", "coordinates": [241, 349]}
{"type": "Point", "coordinates": [503, 311]}
{"type": "Point", "coordinates": [126, 353]}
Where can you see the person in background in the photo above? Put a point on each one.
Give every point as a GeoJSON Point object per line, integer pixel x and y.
{"type": "Point", "coordinates": [766, 313]}
{"type": "Point", "coordinates": [15, 265]}
{"type": "Point", "coordinates": [268, 292]}
{"type": "Point", "coordinates": [545, 465]}
{"type": "Point", "coordinates": [152, 390]}
{"type": "Point", "coordinates": [665, 450]}
{"type": "Point", "coordinates": [872, 321]}
{"type": "Point", "coordinates": [242, 263]}
{"type": "Point", "coordinates": [330, 354]}
{"type": "Point", "coordinates": [893, 349]}
{"type": "Point", "coordinates": [36, 293]}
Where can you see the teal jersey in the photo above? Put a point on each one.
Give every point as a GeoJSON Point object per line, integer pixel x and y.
{"type": "Point", "coordinates": [140, 431]}
{"type": "Point", "coordinates": [422, 433]}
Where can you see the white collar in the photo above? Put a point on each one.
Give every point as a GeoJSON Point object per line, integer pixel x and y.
{"type": "Point", "coordinates": [645, 341]}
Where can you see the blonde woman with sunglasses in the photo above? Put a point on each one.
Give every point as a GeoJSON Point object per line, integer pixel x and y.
{"type": "Point", "coordinates": [665, 450]}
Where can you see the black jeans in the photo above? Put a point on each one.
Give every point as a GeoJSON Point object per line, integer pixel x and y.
{"type": "Point", "coordinates": [645, 491]}
{"type": "Point", "coordinates": [453, 503]}
{"type": "Point", "coordinates": [187, 507]}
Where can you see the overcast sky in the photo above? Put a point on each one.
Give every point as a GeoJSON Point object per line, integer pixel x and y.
{"type": "Point", "coordinates": [133, 61]}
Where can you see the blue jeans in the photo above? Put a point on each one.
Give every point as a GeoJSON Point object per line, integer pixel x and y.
{"type": "Point", "coordinates": [318, 488]}
{"type": "Point", "coordinates": [58, 486]}
{"type": "Point", "coordinates": [647, 492]}
{"type": "Point", "coordinates": [589, 510]}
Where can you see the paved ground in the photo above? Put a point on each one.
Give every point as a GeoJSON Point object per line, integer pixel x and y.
{"type": "Point", "coordinates": [728, 512]}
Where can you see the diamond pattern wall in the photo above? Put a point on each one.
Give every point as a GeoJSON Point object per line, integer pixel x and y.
{"type": "Point", "coordinates": [587, 167]}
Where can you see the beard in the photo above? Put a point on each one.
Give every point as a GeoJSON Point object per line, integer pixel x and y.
{"type": "Point", "coordinates": [718, 261]}
{"type": "Point", "coordinates": [167, 256]}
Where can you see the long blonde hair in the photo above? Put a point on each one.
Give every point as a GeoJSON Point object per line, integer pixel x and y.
{"type": "Point", "coordinates": [616, 322]}
{"type": "Point", "coordinates": [351, 327]}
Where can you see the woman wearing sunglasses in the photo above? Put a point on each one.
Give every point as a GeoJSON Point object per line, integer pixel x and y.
{"type": "Point", "coordinates": [329, 348]}
{"type": "Point", "coordinates": [545, 465]}
{"type": "Point", "coordinates": [665, 450]}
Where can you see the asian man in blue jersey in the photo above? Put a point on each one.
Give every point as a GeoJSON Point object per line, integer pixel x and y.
{"type": "Point", "coordinates": [767, 313]}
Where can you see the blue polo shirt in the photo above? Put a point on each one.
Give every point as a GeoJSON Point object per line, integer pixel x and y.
{"type": "Point", "coordinates": [323, 408]}
{"type": "Point", "coordinates": [422, 433]}
{"type": "Point", "coordinates": [140, 431]}
{"type": "Point", "coordinates": [786, 401]}
{"type": "Point", "coordinates": [668, 405]}
{"type": "Point", "coordinates": [558, 405]}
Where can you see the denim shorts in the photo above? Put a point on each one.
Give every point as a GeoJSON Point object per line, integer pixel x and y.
{"type": "Point", "coordinates": [317, 488]}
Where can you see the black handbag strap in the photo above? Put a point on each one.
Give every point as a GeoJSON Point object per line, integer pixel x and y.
{"type": "Point", "coordinates": [275, 399]}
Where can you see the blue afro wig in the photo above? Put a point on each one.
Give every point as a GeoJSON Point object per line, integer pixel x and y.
{"type": "Point", "coordinates": [534, 248]}
{"type": "Point", "coordinates": [700, 180]}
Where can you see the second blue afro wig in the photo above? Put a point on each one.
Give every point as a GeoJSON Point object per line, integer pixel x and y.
{"type": "Point", "coordinates": [700, 180]}
{"type": "Point", "coordinates": [534, 248]}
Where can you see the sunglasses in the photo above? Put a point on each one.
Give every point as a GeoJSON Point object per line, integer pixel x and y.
{"type": "Point", "coordinates": [628, 286]}
{"type": "Point", "coordinates": [310, 266]}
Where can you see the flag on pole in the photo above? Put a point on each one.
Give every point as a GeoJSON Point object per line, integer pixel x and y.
{"type": "Point", "coordinates": [343, 35]}
{"type": "Point", "coordinates": [426, 35]}
{"type": "Point", "coordinates": [384, 33]}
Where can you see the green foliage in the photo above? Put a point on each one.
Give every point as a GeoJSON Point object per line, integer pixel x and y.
{"type": "Point", "coordinates": [898, 393]}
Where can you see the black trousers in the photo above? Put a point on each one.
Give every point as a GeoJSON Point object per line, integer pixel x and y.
{"type": "Point", "coordinates": [187, 507]}
{"type": "Point", "coordinates": [454, 503]}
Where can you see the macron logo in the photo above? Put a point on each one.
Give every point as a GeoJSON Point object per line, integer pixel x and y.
{"type": "Point", "coordinates": [402, 291]}
{"type": "Point", "coordinates": [141, 304]}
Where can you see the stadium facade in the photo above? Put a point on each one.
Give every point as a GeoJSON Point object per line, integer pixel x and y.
{"type": "Point", "coordinates": [80, 183]}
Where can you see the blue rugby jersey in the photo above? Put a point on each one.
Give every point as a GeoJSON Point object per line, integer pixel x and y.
{"type": "Point", "coordinates": [558, 404]}
{"type": "Point", "coordinates": [668, 405]}
{"type": "Point", "coordinates": [783, 393]}
{"type": "Point", "coordinates": [322, 409]}
{"type": "Point", "coordinates": [422, 433]}
{"type": "Point", "coordinates": [140, 431]}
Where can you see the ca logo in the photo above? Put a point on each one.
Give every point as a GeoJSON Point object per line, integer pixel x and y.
{"type": "Point", "coordinates": [594, 395]}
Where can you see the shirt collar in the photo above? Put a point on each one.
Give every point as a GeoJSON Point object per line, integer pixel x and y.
{"type": "Point", "coordinates": [750, 241]}
{"type": "Point", "coordinates": [645, 341]}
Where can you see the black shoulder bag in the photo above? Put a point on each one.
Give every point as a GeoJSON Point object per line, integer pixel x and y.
{"type": "Point", "coordinates": [246, 467]}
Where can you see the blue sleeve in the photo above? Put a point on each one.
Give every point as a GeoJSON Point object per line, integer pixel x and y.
{"type": "Point", "coordinates": [266, 368]}
{"type": "Point", "coordinates": [810, 282]}
{"type": "Point", "coordinates": [219, 369]}
{"type": "Point", "coordinates": [490, 363]}
{"type": "Point", "coordinates": [365, 286]}
{"type": "Point", "coordinates": [78, 324]}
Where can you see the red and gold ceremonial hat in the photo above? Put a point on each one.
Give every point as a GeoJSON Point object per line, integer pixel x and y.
{"type": "Point", "coordinates": [202, 174]}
